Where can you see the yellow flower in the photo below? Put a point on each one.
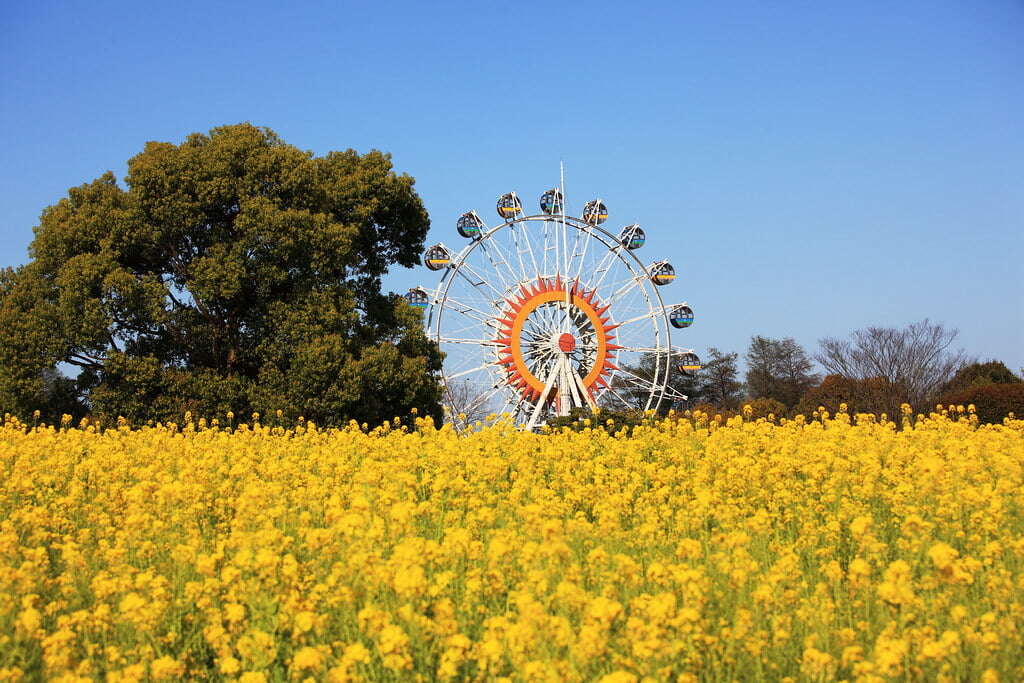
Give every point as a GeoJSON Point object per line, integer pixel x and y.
{"type": "Point", "coordinates": [603, 610]}
{"type": "Point", "coordinates": [356, 653]}
{"type": "Point", "coordinates": [166, 667]}
{"type": "Point", "coordinates": [851, 655]}
{"type": "Point", "coordinates": [393, 645]}
{"type": "Point", "coordinates": [619, 677]}
{"type": "Point", "coordinates": [29, 620]}
{"type": "Point", "coordinates": [943, 556]}
{"type": "Point", "coordinates": [307, 658]}
{"type": "Point", "coordinates": [305, 621]}
{"type": "Point", "coordinates": [229, 665]}
{"type": "Point", "coordinates": [234, 613]}
{"type": "Point", "coordinates": [816, 664]}
{"type": "Point", "coordinates": [889, 656]}
{"type": "Point", "coordinates": [859, 572]}
{"type": "Point", "coordinates": [860, 526]}
{"type": "Point", "coordinates": [132, 602]}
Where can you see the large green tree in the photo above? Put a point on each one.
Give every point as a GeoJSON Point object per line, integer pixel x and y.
{"type": "Point", "coordinates": [235, 272]}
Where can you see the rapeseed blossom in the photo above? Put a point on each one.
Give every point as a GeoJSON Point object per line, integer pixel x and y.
{"type": "Point", "coordinates": [694, 549]}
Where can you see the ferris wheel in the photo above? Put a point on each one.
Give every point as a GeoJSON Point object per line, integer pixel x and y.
{"type": "Point", "coordinates": [549, 312]}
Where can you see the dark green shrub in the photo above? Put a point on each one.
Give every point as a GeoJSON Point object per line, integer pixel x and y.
{"type": "Point", "coordinates": [612, 422]}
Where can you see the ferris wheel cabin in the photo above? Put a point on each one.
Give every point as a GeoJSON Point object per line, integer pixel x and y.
{"type": "Point", "coordinates": [551, 202]}
{"type": "Point", "coordinates": [688, 364]}
{"type": "Point", "coordinates": [632, 237]}
{"type": "Point", "coordinates": [470, 225]}
{"type": "Point", "coordinates": [437, 257]}
{"type": "Point", "coordinates": [417, 297]}
{"type": "Point", "coordinates": [595, 212]}
{"type": "Point", "coordinates": [662, 273]}
{"type": "Point", "coordinates": [509, 206]}
{"type": "Point", "coordinates": [681, 316]}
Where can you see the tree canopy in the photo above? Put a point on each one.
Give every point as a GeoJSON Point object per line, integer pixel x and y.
{"type": "Point", "coordinates": [779, 370]}
{"type": "Point", "coordinates": [980, 374]}
{"type": "Point", "coordinates": [236, 272]}
{"type": "Point", "coordinates": [718, 385]}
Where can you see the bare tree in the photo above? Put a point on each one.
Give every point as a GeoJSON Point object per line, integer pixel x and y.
{"type": "Point", "coordinates": [912, 363]}
{"type": "Point", "coordinates": [471, 403]}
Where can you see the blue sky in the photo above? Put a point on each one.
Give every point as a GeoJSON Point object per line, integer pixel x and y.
{"type": "Point", "coordinates": [810, 168]}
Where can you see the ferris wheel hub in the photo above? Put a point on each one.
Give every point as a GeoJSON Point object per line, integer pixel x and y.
{"type": "Point", "coordinates": [566, 343]}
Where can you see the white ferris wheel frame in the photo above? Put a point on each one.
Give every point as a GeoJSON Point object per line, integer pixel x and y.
{"type": "Point", "coordinates": [540, 251]}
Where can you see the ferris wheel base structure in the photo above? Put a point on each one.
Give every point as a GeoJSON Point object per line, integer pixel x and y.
{"type": "Point", "coordinates": [549, 312]}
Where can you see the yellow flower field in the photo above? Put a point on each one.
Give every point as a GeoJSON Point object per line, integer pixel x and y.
{"type": "Point", "coordinates": [840, 548]}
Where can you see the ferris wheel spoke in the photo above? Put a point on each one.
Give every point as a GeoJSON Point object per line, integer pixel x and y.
{"type": "Point", "coordinates": [530, 335]}
{"type": "Point", "coordinates": [471, 314]}
{"type": "Point", "coordinates": [543, 358]}
{"type": "Point", "coordinates": [624, 291]}
{"type": "Point", "coordinates": [537, 364]}
{"type": "Point", "coordinates": [470, 371]}
{"type": "Point", "coordinates": [629, 376]}
{"type": "Point", "coordinates": [544, 328]}
{"type": "Point", "coordinates": [490, 394]}
{"type": "Point", "coordinates": [549, 260]}
{"type": "Point", "coordinates": [549, 383]}
{"type": "Point", "coordinates": [611, 393]}
{"type": "Point", "coordinates": [649, 315]}
{"type": "Point", "coordinates": [537, 333]}
{"type": "Point", "coordinates": [499, 262]}
{"type": "Point", "coordinates": [540, 328]}
{"type": "Point", "coordinates": [519, 238]}
{"type": "Point", "coordinates": [641, 349]}
{"type": "Point", "coordinates": [633, 389]}
{"type": "Point", "coordinates": [672, 394]}
{"type": "Point", "coordinates": [525, 235]}
{"type": "Point", "coordinates": [598, 272]}
{"type": "Point", "coordinates": [584, 267]}
{"type": "Point", "coordinates": [470, 342]}
{"type": "Point", "coordinates": [517, 404]}
{"type": "Point", "coordinates": [478, 281]}
{"type": "Point", "coordinates": [553, 317]}
{"type": "Point", "coordinates": [651, 363]}
{"type": "Point", "coordinates": [468, 311]}
{"type": "Point", "coordinates": [471, 300]}
{"type": "Point", "coordinates": [575, 255]}
{"type": "Point", "coordinates": [563, 246]}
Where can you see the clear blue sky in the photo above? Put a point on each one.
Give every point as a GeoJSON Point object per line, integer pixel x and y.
{"type": "Point", "coordinates": [810, 168]}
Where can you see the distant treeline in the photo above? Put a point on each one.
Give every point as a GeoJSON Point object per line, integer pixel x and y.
{"type": "Point", "coordinates": [877, 370]}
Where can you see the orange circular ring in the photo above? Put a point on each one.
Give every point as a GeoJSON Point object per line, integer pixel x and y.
{"type": "Point", "coordinates": [531, 304]}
